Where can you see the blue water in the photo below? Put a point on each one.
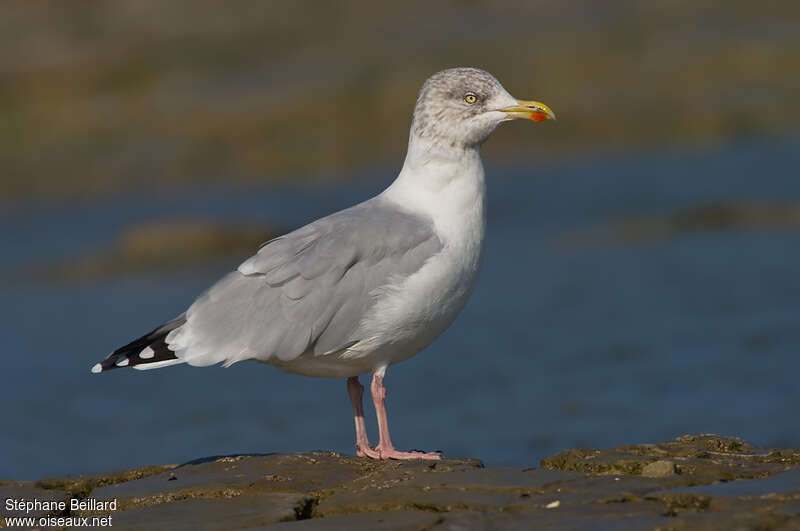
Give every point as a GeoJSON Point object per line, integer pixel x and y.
{"type": "Point", "coordinates": [560, 346]}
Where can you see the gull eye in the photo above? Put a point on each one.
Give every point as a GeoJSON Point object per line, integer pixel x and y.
{"type": "Point", "coordinates": [470, 98]}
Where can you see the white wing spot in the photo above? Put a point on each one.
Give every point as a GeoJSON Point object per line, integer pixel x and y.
{"type": "Point", "coordinates": [156, 364]}
{"type": "Point", "coordinates": [97, 368]}
{"type": "Point", "coordinates": [123, 362]}
{"type": "Point", "coordinates": [147, 353]}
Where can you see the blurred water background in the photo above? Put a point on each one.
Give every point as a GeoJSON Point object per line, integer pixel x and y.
{"type": "Point", "coordinates": [640, 271]}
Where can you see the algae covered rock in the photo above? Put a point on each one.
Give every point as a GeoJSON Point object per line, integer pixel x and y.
{"type": "Point", "coordinates": [691, 482]}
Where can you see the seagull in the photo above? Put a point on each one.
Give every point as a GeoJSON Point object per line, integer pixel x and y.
{"type": "Point", "coordinates": [366, 287]}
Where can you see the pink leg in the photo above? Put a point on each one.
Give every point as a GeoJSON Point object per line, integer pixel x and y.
{"type": "Point", "coordinates": [356, 391]}
{"type": "Point", "coordinates": [385, 450]}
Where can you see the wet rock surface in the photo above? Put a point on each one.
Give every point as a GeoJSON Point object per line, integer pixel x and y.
{"type": "Point", "coordinates": [692, 482]}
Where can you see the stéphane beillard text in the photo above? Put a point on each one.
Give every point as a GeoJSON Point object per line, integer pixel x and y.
{"type": "Point", "coordinates": [89, 504]}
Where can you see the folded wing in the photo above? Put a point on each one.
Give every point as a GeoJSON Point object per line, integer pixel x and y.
{"type": "Point", "coordinates": [306, 292]}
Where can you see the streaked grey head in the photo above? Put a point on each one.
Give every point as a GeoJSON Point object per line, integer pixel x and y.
{"type": "Point", "coordinates": [461, 107]}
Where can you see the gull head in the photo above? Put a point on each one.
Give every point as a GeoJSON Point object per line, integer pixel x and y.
{"type": "Point", "coordinates": [461, 107]}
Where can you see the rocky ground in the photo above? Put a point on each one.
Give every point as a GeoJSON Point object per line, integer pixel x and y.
{"type": "Point", "coordinates": [692, 482]}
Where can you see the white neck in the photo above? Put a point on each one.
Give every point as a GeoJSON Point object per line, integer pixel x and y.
{"type": "Point", "coordinates": [445, 183]}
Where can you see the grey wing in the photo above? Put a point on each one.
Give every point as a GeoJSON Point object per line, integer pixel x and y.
{"type": "Point", "coordinates": [307, 291]}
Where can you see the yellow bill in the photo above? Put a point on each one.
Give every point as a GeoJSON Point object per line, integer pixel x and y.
{"type": "Point", "coordinates": [529, 110]}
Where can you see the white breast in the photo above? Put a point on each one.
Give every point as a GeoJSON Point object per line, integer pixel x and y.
{"type": "Point", "coordinates": [412, 312]}
{"type": "Point", "coordinates": [448, 188]}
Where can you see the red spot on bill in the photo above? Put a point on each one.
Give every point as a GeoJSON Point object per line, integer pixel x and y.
{"type": "Point", "coordinates": [538, 116]}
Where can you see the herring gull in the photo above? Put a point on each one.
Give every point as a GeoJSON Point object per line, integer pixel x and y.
{"type": "Point", "coordinates": [366, 287]}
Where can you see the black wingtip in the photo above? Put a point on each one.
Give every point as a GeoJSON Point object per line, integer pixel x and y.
{"type": "Point", "coordinates": [150, 348]}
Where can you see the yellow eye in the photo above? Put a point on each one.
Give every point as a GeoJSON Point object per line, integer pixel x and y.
{"type": "Point", "coordinates": [470, 98]}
